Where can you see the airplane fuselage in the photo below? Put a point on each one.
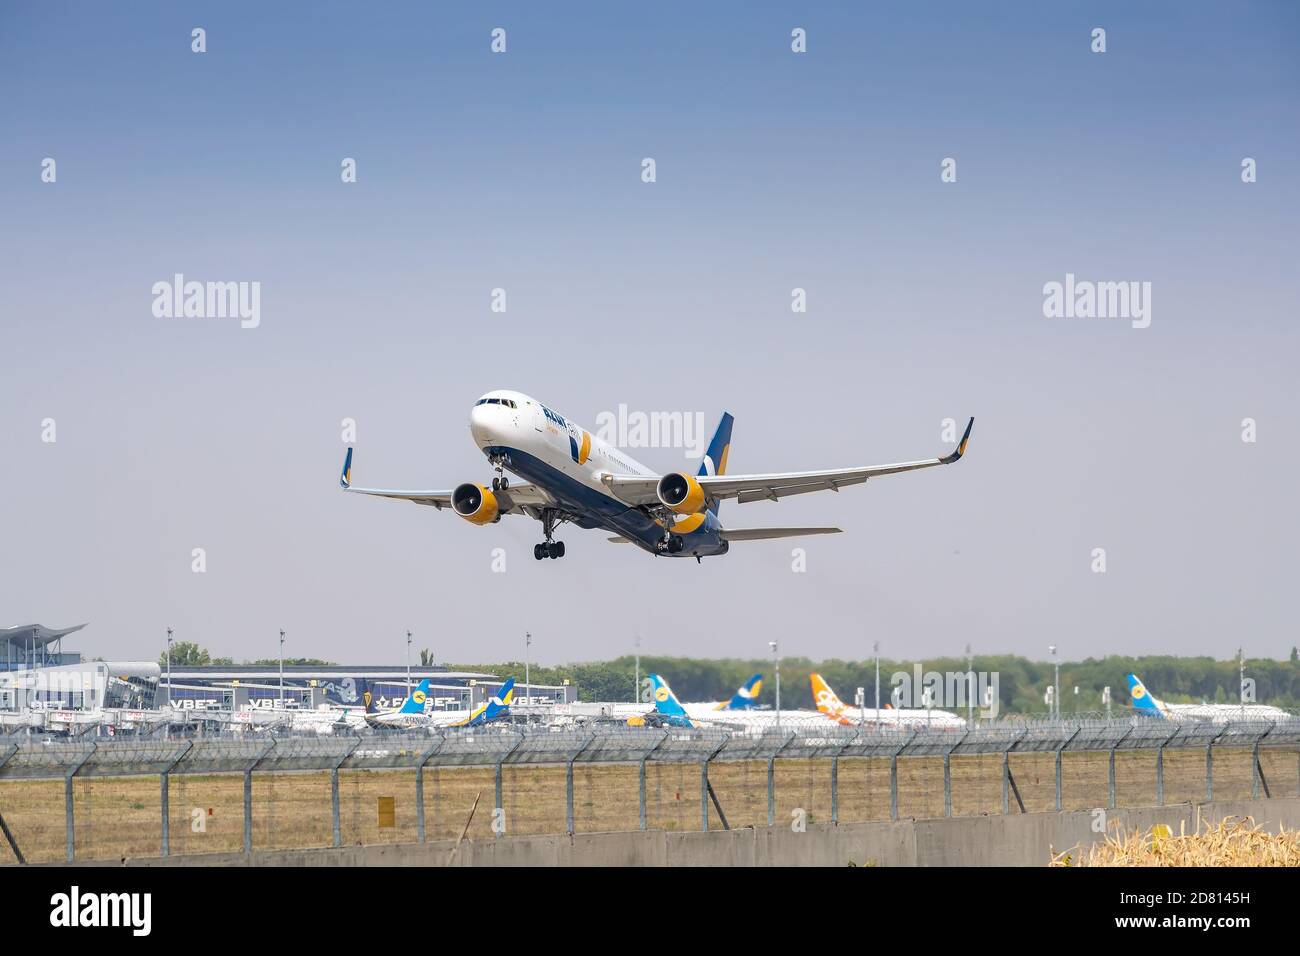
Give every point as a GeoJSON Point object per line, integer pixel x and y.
{"type": "Point", "coordinates": [543, 447]}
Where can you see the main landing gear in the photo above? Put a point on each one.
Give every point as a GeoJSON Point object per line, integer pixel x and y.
{"type": "Point", "coordinates": [670, 544]}
{"type": "Point", "coordinates": [550, 548]}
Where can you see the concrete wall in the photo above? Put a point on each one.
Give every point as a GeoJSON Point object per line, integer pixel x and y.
{"type": "Point", "coordinates": [1019, 840]}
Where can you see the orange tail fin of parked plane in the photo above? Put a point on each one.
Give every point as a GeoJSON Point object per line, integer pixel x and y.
{"type": "Point", "coordinates": [827, 702]}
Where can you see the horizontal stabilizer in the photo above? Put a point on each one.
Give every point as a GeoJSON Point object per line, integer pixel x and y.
{"type": "Point", "coordinates": [759, 534]}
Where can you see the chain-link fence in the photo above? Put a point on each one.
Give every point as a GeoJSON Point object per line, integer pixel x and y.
{"type": "Point", "coordinates": [147, 797]}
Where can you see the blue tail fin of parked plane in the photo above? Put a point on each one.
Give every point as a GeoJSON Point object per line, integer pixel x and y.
{"type": "Point", "coordinates": [746, 697]}
{"type": "Point", "coordinates": [1143, 702]}
{"type": "Point", "coordinates": [667, 704]}
{"type": "Point", "coordinates": [493, 708]}
{"type": "Point", "coordinates": [715, 458]}
{"type": "Point", "coordinates": [499, 704]}
{"type": "Point", "coordinates": [415, 703]}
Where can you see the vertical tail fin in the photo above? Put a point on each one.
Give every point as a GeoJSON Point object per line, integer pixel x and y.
{"type": "Point", "coordinates": [746, 696]}
{"type": "Point", "coordinates": [499, 704]}
{"type": "Point", "coordinates": [415, 703]}
{"type": "Point", "coordinates": [495, 707]}
{"type": "Point", "coordinates": [715, 458]}
{"type": "Point", "coordinates": [667, 704]}
{"type": "Point", "coordinates": [827, 702]}
{"type": "Point", "coordinates": [1143, 701]}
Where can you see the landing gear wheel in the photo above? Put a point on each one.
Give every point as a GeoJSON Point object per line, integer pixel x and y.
{"type": "Point", "coordinates": [539, 551]}
{"type": "Point", "coordinates": [558, 548]}
{"type": "Point", "coordinates": [496, 484]}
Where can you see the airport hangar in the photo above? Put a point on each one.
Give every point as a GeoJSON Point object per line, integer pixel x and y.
{"type": "Point", "coordinates": [31, 652]}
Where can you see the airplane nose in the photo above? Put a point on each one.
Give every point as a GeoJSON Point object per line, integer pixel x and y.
{"type": "Point", "coordinates": [480, 424]}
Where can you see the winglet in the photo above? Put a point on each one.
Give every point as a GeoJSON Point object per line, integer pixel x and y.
{"type": "Point", "coordinates": [345, 479]}
{"type": "Point", "coordinates": [961, 445]}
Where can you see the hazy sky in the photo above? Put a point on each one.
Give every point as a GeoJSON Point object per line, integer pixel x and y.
{"type": "Point", "coordinates": [775, 170]}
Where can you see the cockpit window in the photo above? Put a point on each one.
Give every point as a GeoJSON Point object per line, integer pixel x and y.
{"type": "Point", "coordinates": [497, 401]}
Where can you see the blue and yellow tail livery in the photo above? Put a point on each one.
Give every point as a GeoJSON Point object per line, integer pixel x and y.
{"type": "Point", "coordinates": [345, 479]}
{"type": "Point", "coordinates": [715, 458]}
{"type": "Point", "coordinates": [493, 708]}
{"type": "Point", "coordinates": [746, 697]}
{"type": "Point", "coordinates": [1143, 702]}
{"type": "Point", "coordinates": [667, 704]}
{"type": "Point", "coordinates": [415, 703]}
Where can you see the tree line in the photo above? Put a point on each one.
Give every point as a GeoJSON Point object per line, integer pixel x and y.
{"type": "Point", "coordinates": [1022, 683]}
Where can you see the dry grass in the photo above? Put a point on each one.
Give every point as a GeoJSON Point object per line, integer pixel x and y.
{"type": "Point", "coordinates": [121, 816]}
{"type": "Point", "coordinates": [1232, 842]}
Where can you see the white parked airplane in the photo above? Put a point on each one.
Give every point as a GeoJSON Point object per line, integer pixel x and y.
{"type": "Point", "coordinates": [1147, 704]}
{"type": "Point", "coordinates": [574, 477]}
{"type": "Point", "coordinates": [911, 718]}
{"type": "Point", "coordinates": [677, 714]}
{"type": "Point", "coordinates": [414, 715]}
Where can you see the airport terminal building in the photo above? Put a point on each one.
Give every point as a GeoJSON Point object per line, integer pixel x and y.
{"type": "Point", "coordinates": [36, 672]}
{"type": "Point", "coordinates": [307, 687]}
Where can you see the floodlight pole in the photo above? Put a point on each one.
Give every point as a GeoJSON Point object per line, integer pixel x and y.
{"type": "Point", "coordinates": [408, 663]}
{"type": "Point", "coordinates": [169, 667]}
{"type": "Point", "coordinates": [282, 668]}
{"type": "Point", "coordinates": [1056, 683]}
{"type": "Point", "coordinates": [528, 642]}
{"type": "Point", "coordinates": [1241, 684]}
{"type": "Point", "coordinates": [875, 649]}
{"type": "Point", "coordinates": [970, 688]}
{"type": "Point", "coordinates": [777, 663]}
{"type": "Point", "coordinates": [636, 675]}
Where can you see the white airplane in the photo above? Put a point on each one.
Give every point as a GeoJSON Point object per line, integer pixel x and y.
{"type": "Point", "coordinates": [1147, 704]}
{"type": "Point", "coordinates": [413, 715]}
{"type": "Point", "coordinates": [574, 477]}
{"type": "Point", "coordinates": [911, 718]}
{"type": "Point", "coordinates": [329, 719]}
{"type": "Point", "coordinates": [676, 714]}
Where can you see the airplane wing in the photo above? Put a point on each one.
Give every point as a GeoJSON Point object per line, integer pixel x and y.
{"type": "Point", "coordinates": [511, 501]}
{"type": "Point", "coordinates": [755, 534]}
{"type": "Point", "coordinates": [638, 490]}
{"type": "Point", "coordinates": [762, 534]}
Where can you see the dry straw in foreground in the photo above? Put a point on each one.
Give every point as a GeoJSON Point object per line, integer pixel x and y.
{"type": "Point", "coordinates": [1232, 842]}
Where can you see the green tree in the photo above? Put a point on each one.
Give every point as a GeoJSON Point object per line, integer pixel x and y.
{"type": "Point", "coordinates": [186, 654]}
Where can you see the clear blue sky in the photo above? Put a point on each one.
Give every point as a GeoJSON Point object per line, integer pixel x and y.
{"type": "Point", "coordinates": [775, 170]}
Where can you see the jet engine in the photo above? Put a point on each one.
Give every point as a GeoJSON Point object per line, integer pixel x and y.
{"type": "Point", "coordinates": [681, 493]}
{"type": "Point", "coordinates": [475, 504]}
